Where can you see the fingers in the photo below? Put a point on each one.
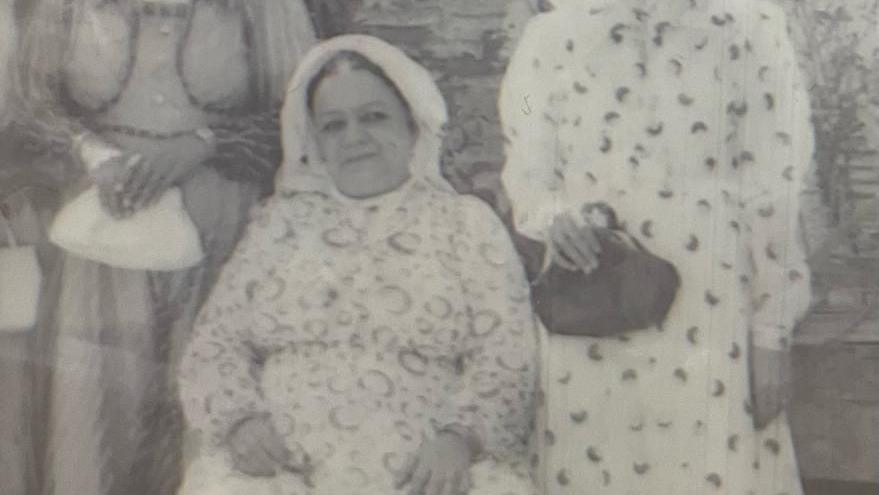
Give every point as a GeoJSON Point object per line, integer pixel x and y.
{"type": "Point", "coordinates": [277, 451]}
{"type": "Point", "coordinates": [405, 475]}
{"type": "Point", "coordinates": [588, 238]}
{"type": "Point", "coordinates": [577, 243]}
{"type": "Point", "coordinates": [420, 480]}
{"type": "Point", "coordinates": [125, 172]}
{"type": "Point", "coordinates": [140, 181]}
{"type": "Point", "coordinates": [581, 237]}
{"type": "Point", "coordinates": [131, 171]}
{"type": "Point", "coordinates": [152, 184]}
{"type": "Point", "coordinates": [255, 462]}
{"type": "Point", "coordinates": [561, 259]}
{"type": "Point", "coordinates": [108, 199]}
{"type": "Point", "coordinates": [112, 178]}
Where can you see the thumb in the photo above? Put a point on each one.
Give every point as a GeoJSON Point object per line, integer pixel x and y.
{"type": "Point", "coordinates": [405, 474]}
{"type": "Point", "coordinates": [276, 449]}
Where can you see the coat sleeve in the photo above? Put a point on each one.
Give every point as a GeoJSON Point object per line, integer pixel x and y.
{"type": "Point", "coordinates": [776, 146]}
{"type": "Point", "coordinates": [497, 362]}
{"type": "Point", "coordinates": [532, 175]}
{"type": "Point", "coordinates": [249, 149]}
{"type": "Point", "coordinates": [220, 369]}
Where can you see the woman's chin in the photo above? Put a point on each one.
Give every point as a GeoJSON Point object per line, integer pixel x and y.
{"type": "Point", "coordinates": [365, 191]}
{"type": "Point", "coordinates": [365, 183]}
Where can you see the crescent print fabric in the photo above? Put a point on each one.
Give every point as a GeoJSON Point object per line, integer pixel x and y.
{"type": "Point", "coordinates": [365, 327]}
{"type": "Point", "coordinates": [690, 120]}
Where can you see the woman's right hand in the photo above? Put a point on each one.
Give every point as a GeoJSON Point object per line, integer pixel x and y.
{"type": "Point", "coordinates": [572, 246]}
{"type": "Point", "coordinates": [110, 177]}
{"type": "Point", "coordinates": [257, 449]}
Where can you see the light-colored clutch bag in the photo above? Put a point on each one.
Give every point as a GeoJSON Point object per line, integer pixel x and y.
{"type": "Point", "coordinates": [20, 284]}
{"type": "Point", "coordinates": [161, 237]}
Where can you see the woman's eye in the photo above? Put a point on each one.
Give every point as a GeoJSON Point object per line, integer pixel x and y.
{"type": "Point", "coordinates": [375, 116]}
{"type": "Point", "coordinates": [332, 126]}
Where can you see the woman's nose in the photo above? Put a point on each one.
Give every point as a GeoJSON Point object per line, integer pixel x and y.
{"type": "Point", "coordinates": [355, 133]}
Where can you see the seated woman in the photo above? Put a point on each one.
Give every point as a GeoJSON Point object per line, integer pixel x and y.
{"type": "Point", "coordinates": [372, 333]}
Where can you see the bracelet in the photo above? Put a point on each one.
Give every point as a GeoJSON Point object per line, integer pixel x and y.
{"type": "Point", "coordinates": [206, 135]}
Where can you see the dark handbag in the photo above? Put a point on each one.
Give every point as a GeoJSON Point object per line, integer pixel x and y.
{"type": "Point", "coordinates": [631, 289]}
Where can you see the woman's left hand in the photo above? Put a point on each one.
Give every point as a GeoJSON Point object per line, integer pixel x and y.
{"type": "Point", "coordinates": [771, 384]}
{"type": "Point", "coordinates": [158, 171]}
{"type": "Point", "coordinates": [441, 467]}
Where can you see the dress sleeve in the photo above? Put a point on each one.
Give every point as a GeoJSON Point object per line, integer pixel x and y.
{"type": "Point", "coordinates": [778, 142]}
{"type": "Point", "coordinates": [532, 175]}
{"type": "Point", "coordinates": [498, 358]}
{"type": "Point", "coordinates": [220, 370]}
{"type": "Point", "coordinates": [249, 149]}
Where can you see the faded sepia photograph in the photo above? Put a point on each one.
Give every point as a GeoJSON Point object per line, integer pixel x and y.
{"type": "Point", "coordinates": [439, 247]}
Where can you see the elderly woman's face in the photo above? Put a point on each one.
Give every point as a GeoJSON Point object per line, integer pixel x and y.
{"type": "Point", "coordinates": [363, 133]}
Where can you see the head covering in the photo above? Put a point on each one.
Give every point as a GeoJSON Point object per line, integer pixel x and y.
{"type": "Point", "coordinates": [304, 171]}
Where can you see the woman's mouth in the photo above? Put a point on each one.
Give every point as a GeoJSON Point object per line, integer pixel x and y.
{"type": "Point", "coordinates": [359, 158]}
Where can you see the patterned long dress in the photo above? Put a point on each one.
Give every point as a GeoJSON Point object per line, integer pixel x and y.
{"type": "Point", "coordinates": [361, 342]}
{"type": "Point", "coordinates": [690, 120]}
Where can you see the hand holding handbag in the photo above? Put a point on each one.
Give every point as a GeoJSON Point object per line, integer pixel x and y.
{"type": "Point", "coordinates": [160, 237]}
{"type": "Point", "coordinates": [631, 289]}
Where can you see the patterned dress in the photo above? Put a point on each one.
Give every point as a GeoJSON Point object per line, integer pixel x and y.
{"type": "Point", "coordinates": [361, 341]}
{"type": "Point", "coordinates": [689, 119]}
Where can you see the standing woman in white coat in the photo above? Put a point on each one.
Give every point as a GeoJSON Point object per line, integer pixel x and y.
{"type": "Point", "coordinates": [690, 120]}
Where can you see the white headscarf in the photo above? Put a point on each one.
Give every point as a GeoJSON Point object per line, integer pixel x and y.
{"type": "Point", "coordinates": [303, 169]}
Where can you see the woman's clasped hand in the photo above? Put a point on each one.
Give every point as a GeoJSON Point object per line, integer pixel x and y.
{"type": "Point", "coordinates": [129, 182]}
{"type": "Point", "coordinates": [440, 467]}
{"type": "Point", "coordinates": [573, 246]}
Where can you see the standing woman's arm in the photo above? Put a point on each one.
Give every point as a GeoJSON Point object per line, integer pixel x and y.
{"type": "Point", "coordinates": [776, 138]}
{"type": "Point", "coordinates": [777, 135]}
{"type": "Point", "coordinates": [532, 175]}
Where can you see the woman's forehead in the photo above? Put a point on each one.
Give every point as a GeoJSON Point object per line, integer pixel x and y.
{"type": "Point", "coordinates": [351, 89]}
